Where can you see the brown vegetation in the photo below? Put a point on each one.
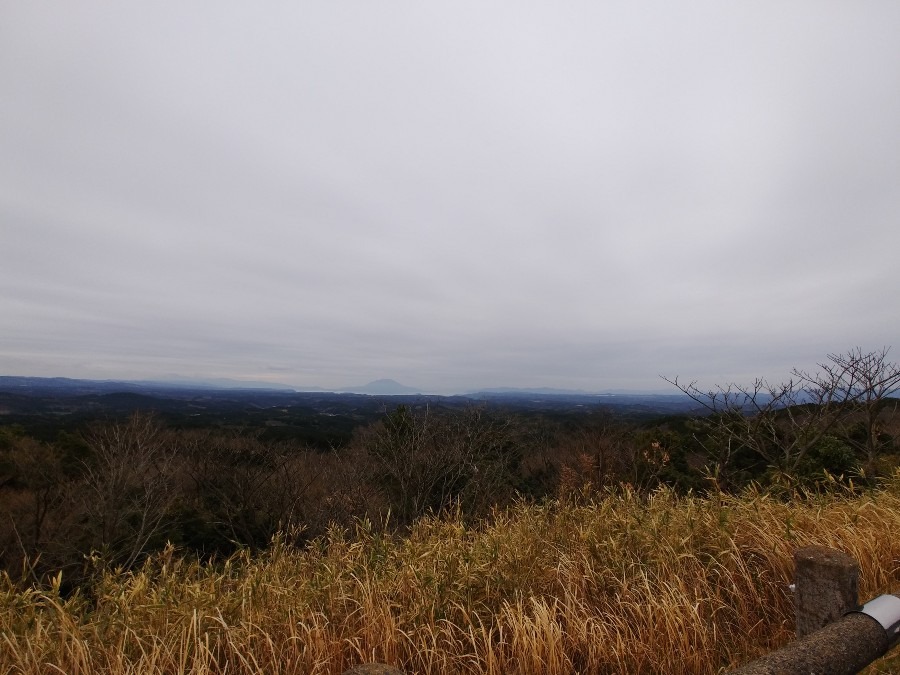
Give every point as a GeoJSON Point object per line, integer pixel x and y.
{"type": "Point", "coordinates": [503, 543]}
{"type": "Point", "coordinates": [621, 583]}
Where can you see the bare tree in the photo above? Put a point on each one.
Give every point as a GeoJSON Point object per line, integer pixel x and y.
{"type": "Point", "coordinates": [865, 380]}
{"type": "Point", "coordinates": [782, 423]}
{"type": "Point", "coordinates": [126, 488]}
{"type": "Point", "coordinates": [37, 469]}
{"type": "Point", "coordinates": [249, 489]}
{"type": "Point", "coordinates": [429, 462]}
{"type": "Point", "coordinates": [399, 447]}
{"type": "Point", "coordinates": [482, 450]}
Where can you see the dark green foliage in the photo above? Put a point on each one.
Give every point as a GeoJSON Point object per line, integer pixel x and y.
{"type": "Point", "coordinates": [831, 458]}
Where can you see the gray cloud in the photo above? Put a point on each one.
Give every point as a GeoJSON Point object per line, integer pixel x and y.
{"type": "Point", "coordinates": [455, 196]}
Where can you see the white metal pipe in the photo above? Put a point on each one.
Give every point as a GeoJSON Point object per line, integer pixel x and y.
{"type": "Point", "coordinates": [885, 609]}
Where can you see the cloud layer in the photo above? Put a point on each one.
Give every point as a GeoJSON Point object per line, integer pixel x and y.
{"type": "Point", "coordinates": [459, 195]}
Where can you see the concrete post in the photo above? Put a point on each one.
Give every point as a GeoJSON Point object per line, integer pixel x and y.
{"type": "Point", "coordinates": [826, 586]}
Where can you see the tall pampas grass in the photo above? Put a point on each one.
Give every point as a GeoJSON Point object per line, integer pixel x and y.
{"type": "Point", "coordinates": [614, 583]}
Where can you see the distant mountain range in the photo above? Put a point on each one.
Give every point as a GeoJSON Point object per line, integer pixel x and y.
{"type": "Point", "coordinates": [12, 382]}
{"type": "Point", "coordinates": [551, 391]}
{"type": "Point", "coordinates": [382, 387]}
{"type": "Point", "coordinates": [215, 383]}
{"type": "Point", "coordinates": [240, 401]}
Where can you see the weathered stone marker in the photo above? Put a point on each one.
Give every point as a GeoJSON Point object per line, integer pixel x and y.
{"type": "Point", "coordinates": [826, 586]}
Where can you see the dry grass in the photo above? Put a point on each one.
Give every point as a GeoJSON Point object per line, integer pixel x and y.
{"type": "Point", "coordinates": [623, 584]}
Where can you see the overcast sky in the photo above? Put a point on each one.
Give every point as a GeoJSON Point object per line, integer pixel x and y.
{"type": "Point", "coordinates": [451, 194]}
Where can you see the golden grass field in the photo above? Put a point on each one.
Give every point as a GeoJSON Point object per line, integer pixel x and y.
{"type": "Point", "coordinates": [615, 583]}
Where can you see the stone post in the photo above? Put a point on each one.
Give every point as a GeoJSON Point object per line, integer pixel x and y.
{"type": "Point", "coordinates": [826, 586]}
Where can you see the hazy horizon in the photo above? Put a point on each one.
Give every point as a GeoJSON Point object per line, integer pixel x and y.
{"type": "Point", "coordinates": [375, 386]}
{"type": "Point", "coordinates": [581, 196]}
